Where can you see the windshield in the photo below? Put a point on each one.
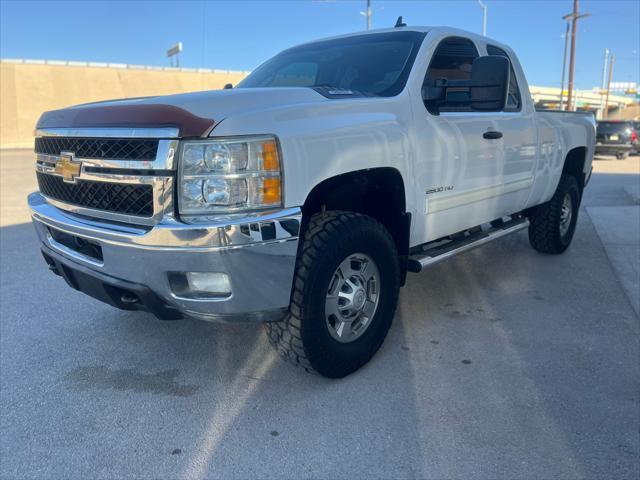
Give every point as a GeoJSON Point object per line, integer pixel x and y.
{"type": "Point", "coordinates": [375, 64]}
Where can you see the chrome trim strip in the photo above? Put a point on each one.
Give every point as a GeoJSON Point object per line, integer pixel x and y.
{"type": "Point", "coordinates": [120, 178]}
{"type": "Point", "coordinates": [72, 253]}
{"type": "Point", "coordinates": [168, 132]}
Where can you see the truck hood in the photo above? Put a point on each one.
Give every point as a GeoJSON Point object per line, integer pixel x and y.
{"type": "Point", "coordinates": [193, 114]}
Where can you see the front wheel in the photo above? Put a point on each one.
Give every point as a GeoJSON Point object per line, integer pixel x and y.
{"type": "Point", "coordinates": [344, 295]}
{"type": "Point", "coordinates": [554, 223]}
{"type": "Point", "coordinates": [622, 156]}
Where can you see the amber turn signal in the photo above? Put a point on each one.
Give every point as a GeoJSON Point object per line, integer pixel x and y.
{"type": "Point", "coordinates": [270, 159]}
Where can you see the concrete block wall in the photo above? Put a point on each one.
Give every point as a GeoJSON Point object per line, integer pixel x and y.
{"type": "Point", "coordinates": [30, 87]}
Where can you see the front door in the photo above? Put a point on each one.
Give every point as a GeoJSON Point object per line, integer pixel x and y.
{"type": "Point", "coordinates": [459, 162]}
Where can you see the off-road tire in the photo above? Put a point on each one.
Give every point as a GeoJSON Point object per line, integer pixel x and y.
{"type": "Point", "coordinates": [302, 337]}
{"type": "Point", "coordinates": [544, 229]}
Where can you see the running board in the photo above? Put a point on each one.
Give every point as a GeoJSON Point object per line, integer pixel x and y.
{"type": "Point", "coordinates": [436, 254]}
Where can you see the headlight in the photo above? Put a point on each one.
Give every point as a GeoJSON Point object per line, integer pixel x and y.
{"type": "Point", "coordinates": [229, 175]}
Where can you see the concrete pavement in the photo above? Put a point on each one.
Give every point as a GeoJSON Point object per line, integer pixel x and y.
{"type": "Point", "coordinates": [613, 204]}
{"type": "Point", "coordinates": [502, 363]}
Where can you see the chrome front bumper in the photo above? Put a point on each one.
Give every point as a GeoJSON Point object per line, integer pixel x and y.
{"type": "Point", "coordinates": [257, 252]}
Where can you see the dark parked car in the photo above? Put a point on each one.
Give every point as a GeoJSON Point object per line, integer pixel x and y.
{"type": "Point", "coordinates": [636, 128]}
{"type": "Point", "coordinates": [617, 138]}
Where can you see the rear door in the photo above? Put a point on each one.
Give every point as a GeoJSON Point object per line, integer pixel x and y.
{"type": "Point", "coordinates": [517, 123]}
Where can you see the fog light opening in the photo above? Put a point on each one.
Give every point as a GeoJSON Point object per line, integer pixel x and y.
{"type": "Point", "coordinates": [209, 283]}
{"type": "Point", "coordinates": [200, 285]}
{"type": "Point", "coordinates": [129, 298]}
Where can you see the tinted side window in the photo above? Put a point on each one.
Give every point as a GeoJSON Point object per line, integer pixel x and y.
{"type": "Point", "coordinates": [452, 60]}
{"type": "Point", "coordinates": [514, 101]}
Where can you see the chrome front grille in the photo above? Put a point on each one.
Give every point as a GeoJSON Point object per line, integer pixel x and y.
{"type": "Point", "coordinates": [115, 174]}
{"type": "Point", "coordinates": [100, 148]}
{"type": "Point", "coordinates": [120, 198]}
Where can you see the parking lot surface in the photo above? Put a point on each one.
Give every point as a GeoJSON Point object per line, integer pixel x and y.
{"type": "Point", "coordinates": [502, 363]}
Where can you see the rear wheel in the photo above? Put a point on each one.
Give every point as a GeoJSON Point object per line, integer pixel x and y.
{"type": "Point", "coordinates": [622, 155]}
{"type": "Point", "coordinates": [553, 223]}
{"type": "Point", "coordinates": [344, 296]}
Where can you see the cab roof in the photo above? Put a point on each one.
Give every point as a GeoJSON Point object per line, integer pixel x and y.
{"type": "Point", "coordinates": [440, 30]}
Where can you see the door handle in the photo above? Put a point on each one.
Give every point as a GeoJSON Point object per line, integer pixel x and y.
{"type": "Point", "coordinates": [492, 135]}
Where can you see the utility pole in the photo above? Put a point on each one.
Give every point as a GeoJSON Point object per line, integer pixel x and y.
{"type": "Point", "coordinates": [484, 17]}
{"type": "Point", "coordinates": [574, 16]}
{"type": "Point", "coordinates": [606, 102]}
{"type": "Point", "coordinates": [604, 81]}
{"type": "Point", "coordinates": [564, 62]}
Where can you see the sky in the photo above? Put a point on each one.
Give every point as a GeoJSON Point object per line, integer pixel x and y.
{"type": "Point", "coordinates": [240, 34]}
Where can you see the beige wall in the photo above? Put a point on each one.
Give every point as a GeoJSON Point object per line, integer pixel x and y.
{"type": "Point", "coordinates": [631, 113]}
{"type": "Point", "coordinates": [27, 90]}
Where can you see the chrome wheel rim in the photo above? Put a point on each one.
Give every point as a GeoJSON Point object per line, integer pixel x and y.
{"type": "Point", "coordinates": [566, 213]}
{"type": "Point", "coordinates": [352, 297]}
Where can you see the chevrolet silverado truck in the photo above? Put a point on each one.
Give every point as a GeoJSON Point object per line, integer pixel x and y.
{"type": "Point", "coordinates": [304, 195]}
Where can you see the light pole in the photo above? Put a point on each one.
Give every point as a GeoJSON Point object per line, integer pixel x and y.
{"type": "Point", "coordinates": [606, 102]}
{"type": "Point", "coordinates": [368, 14]}
{"type": "Point", "coordinates": [564, 62]}
{"type": "Point", "coordinates": [604, 81]}
{"type": "Point", "coordinates": [484, 17]}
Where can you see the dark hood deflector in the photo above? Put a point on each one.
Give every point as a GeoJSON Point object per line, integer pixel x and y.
{"type": "Point", "coordinates": [128, 116]}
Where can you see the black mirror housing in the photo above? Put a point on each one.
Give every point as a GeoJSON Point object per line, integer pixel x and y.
{"type": "Point", "coordinates": [488, 86]}
{"type": "Point", "coordinates": [489, 83]}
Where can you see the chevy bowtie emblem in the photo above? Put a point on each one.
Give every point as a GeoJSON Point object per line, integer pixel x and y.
{"type": "Point", "coordinates": [67, 168]}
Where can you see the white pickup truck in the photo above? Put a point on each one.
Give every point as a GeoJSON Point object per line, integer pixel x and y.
{"type": "Point", "coordinates": [304, 195]}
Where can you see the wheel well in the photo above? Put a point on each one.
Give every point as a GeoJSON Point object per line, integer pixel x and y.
{"type": "Point", "coordinates": [574, 164]}
{"type": "Point", "coordinates": [378, 193]}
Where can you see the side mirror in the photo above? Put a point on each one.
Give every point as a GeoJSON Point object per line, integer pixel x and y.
{"type": "Point", "coordinates": [487, 88]}
{"type": "Point", "coordinates": [490, 83]}
{"type": "Point", "coordinates": [228, 86]}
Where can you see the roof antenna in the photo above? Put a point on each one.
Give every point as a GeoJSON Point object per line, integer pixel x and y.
{"type": "Point", "coordinates": [400, 23]}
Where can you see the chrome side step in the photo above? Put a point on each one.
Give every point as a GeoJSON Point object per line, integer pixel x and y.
{"type": "Point", "coordinates": [430, 255]}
